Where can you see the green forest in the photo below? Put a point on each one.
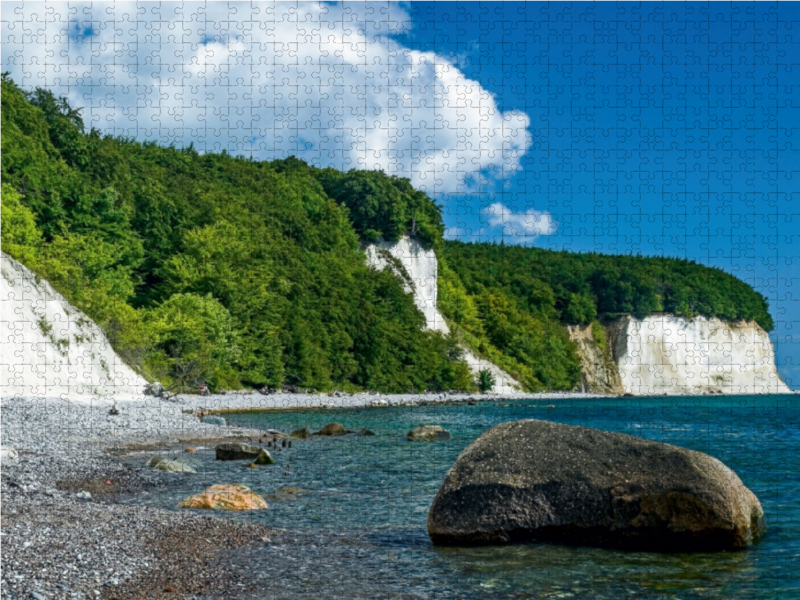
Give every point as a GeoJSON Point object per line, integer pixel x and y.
{"type": "Point", "coordinates": [219, 268]}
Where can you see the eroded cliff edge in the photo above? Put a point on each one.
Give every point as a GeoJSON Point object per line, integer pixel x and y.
{"type": "Point", "coordinates": [51, 348]}
{"type": "Point", "coordinates": [417, 267]}
{"type": "Point", "coordinates": [666, 354]}
{"type": "Point", "coordinates": [660, 354]}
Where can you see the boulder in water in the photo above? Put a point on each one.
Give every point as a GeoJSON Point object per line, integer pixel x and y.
{"type": "Point", "coordinates": [535, 480]}
{"type": "Point", "coordinates": [300, 434]}
{"type": "Point", "coordinates": [225, 497]}
{"type": "Point", "coordinates": [174, 466]}
{"type": "Point", "coordinates": [236, 451]}
{"type": "Point", "coordinates": [214, 420]}
{"type": "Point", "coordinates": [155, 460]}
{"type": "Point", "coordinates": [428, 433]}
{"type": "Point", "coordinates": [333, 429]}
{"type": "Point", "coordinates": [365, 432]}
{"type": "Point", "coordinates": [264, 458]}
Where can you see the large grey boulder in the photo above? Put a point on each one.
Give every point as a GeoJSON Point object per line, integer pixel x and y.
{"type": "Point", "coordinates": [236, 451]}
{"type": "Point", "coordinates": [535, 480]}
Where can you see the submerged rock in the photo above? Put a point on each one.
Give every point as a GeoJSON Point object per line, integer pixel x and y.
{"type": "Point", "coordinates": [264, 458]}
{"type": "Point", "coordinates": [236, 451]}
{"type": "Point", "coordinates": [536, 480]}
{"type": "Point", "coordinates": [365, 432]}
{"type": "Point", "coordinates": [225, 497]}
{"type": "Point", "coordinates": [333, 429]}
{"type": "Point", "coordinates": [214, 420]}
{"type": "Point", "coordinates": [300, 434]}
{"type": "Point", "coordinates": [174, 466]}
{"type": "Point", "coordinates": [428, 433]}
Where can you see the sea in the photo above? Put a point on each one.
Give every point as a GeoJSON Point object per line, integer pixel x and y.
{"type": "Point", "coordinates": [352, 510]}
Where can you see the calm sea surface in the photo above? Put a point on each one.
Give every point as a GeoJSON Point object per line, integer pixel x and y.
{"type": "Point", "coordinates": [357, 527]}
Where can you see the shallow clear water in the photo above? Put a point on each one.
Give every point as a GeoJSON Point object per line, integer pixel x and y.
{"type": "Point", "coordinates": [359, 528]}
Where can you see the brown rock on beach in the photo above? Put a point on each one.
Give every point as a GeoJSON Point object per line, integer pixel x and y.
{"type": "Point", "coordinates": [225, 497]}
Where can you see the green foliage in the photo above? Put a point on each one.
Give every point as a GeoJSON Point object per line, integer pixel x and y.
{"type": "Point", "coordinates": [579, 309]}
{"type": "Point", "coordinates": [384, 207]}
{"type": "Point", "coordinates": [612, 285]}
{"type": "Point", "coordinates": [486, 381]}
{"type": "Point", "coordinates": [599, 335]}
{"type": "Point", "coordinates": [216, 268]}
{"type": "Point", "coordinates": [18, 225]}
{"type": "Point", "coordinates": [194, 340]}
{"type": "Point", "coordinates": [237, 272]}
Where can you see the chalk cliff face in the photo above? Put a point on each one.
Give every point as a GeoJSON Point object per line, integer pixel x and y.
{"type": "Point", "coordinates": [417, 267]}
{"type": "Point", "coordinates": [50, 348]}
{"type": "Point", "coordinates": [665, 354]}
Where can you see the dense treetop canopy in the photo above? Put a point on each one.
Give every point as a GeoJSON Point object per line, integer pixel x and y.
{"type": "Point", "coordinates": [222, 269]}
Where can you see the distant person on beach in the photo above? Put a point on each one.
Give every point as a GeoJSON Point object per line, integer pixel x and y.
{"type": "Point", "coordinates": [204, 389]}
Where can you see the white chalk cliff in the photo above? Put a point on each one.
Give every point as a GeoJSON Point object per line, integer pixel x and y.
{"type": "Point", "coordinates": [665, 354]}
{"type": "Point", "coordinates": [417, 267]}
{"type": "Point", "coordinates": [50, 348]}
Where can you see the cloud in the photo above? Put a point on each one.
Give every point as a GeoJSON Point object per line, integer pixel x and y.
{"type": "Point", "coordinates": [520, 227]}
{"type": "Point", "coordinates": [327, 83]}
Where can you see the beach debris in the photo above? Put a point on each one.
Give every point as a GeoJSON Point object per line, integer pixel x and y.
{"type": "Point", "coordinates": [300, 434]}
{"type": "Point", "coordinates": [236, 451]}
{"type": "Point", "coordinates": [264, 458]}
{"type": "Point", "coordinates": [428, 433]}
{"type": "Point", "coordinates": [333, 429]}
{"type": "Point", "coordinates": [364, 432]}
{"type": "Point", "coordinates": [214, 420]}
{"type": "Point", "coordinates": [174, 466]}
{"type": "Point", "coordinates": [537, 480]}
{"type": "Point", "coordinates": [225, 497]}
{"type": "Point", "coordinates": [154, 389]}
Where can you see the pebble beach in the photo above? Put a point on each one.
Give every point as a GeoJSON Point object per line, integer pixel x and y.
{"type": "Point", "coordinates": [66, 535]}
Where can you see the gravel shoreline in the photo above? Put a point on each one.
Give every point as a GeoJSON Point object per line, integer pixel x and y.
{"type": "Point", "coordinates": [58, 544]}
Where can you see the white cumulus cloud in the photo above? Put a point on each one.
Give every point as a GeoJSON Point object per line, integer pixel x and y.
{"type": "Point", "coordinates": [519, 227]}
{"type": "Point", "coordinates": [327, 83]}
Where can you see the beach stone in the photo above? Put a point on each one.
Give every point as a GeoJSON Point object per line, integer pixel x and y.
{"type": "Point", "coordinates": [365, 432]}
{"type": "Point", "coordinates": [155, 460]}
{"type": "Point", "coordinates": [428, 433]}
{"type": "Point", "coordinates": [84, 496]}
{"type": "Point", "coordinates": [300, 434]}
{"type": "Point", "coordinates": [333, 429]}
{"type": "Point", "coordinates": [214, 420]}
{"type": "Point", "coordinates": [8, 454]}
{"type": "Point", "coordinates": [174, 466]}
{"type": "Point", "coordinates": [225, 497]}
{"type": "Point", "coordinates": [534, 480]}
{"type": "Point", "coordinates": [236, 451]}
{"type": "Point", "coordinates": [264, 458]}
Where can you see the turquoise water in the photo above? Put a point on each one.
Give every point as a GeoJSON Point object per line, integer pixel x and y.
{"type": "Point", "coordinates": [359, 528]}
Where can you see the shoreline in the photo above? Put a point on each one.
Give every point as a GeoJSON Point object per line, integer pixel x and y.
{"type": "Point", "coordinates": [58, 545]}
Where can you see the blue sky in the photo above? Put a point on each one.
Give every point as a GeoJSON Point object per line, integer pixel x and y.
{"type": "Point", "coordinates": [655, 128]}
